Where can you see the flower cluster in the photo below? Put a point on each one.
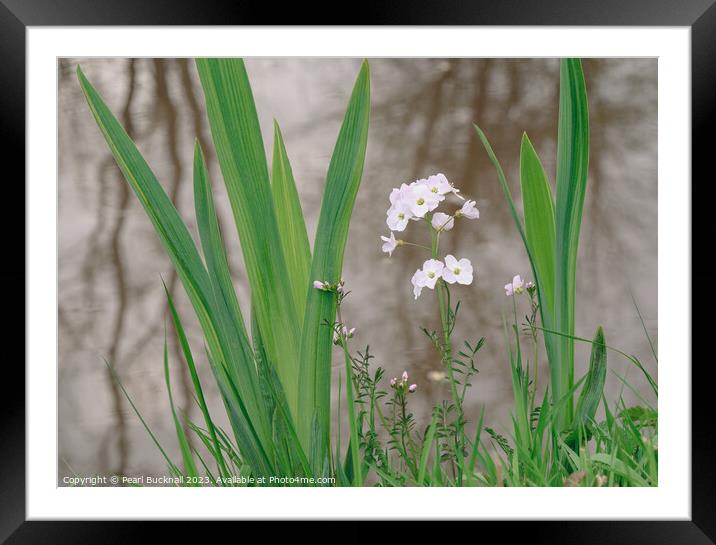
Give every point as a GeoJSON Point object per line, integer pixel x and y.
{"type": "Point", "coordinates": [452, 271]}
{"type": "Point", "coordinates": [401, 385]}
{"type": "Point", "coordinates": [324, 285]}
{"type": "Point", "coordinates": [344, 332]}
{"type": "Point", "coordinates": [418, 201]}
{"type": "Point", "coordinates": [518, 286]}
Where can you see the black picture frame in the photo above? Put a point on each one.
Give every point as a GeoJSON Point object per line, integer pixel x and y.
{"type": "Point", "coordinates": [699, 15]}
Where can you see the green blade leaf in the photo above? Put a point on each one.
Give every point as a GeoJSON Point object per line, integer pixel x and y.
{"type": "Point", "coordinates": [342, 182]}
{"type": "Point", "coordinates": [427, 445]}
{"type": "Point", "coordinates": [594, 385]}
{"type": "Point", "coordinates": [291, 225]}
{"type": "Point", "coordinates": [572, 167]}
{"type": "Point", "coordinates": [212, 243]}
{"type": "Point", "coordinates": [551, 344]}
{"type": "Point", "coordinates": [240, 150]}
{"type": "Point", "coordinates": [189, 465]}
{"type": "Point", "coordinates": [231, 362]}
{"type": "Point", "coordinates": [186, 349]}
{"type": "Point", "coordinates": [539, 219]}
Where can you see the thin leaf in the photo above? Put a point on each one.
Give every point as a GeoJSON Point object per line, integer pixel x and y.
{"type": "Point", "coordinates": [342, 182]}
{"type": "Point", "coordinates": [291, 225]}
{"type": "Point", "coordinates": [240, 150]}
{"type": "Point", "coordinates": [572, 167]}
{"type": "Point", "coordinates": [232, 366]}
{"type": "Point", "coordinates": [594, 385]}
{"type": "Point", "coordinates": [189, 465]}
{"type": "Point", "coordinates": [539, 219]}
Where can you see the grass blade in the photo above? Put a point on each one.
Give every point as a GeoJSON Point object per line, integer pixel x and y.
{"type": "Point", "coordinates": [291, 225]}
{"type": "Point", "coordinates": [184, 343]}
{"type": "Point", "coordinates": [594, 386]}
{"type": "Point", "coordinates": [427, 445]}
{"type": "Point", "coordinates": [342, 181]}
{"type": "Point", "coordinates": [572, 166]}
{"type": "Point", "coordinates": [189, 465]}
{"type": "Point", "coordinates": [539, 219]}
{"type": "Point", "coordinates": [240, 150]}
{"type": "Point", "coordinates": [551, 344]}
{"type": "Point", "coordinates": [233, 367]}
{"type": "Point", "coordinates": [212, 243]}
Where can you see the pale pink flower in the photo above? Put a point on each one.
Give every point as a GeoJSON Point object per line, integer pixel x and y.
{"type": "Point", "coordinates": [418, 281]}
{"type": "Point", "coordinates": [412, 388]}
{"type": "Point", "coordinates": [390, 244]}
{"type": "Point", "coordinates": [469, 211]}
{"type": "Point", "coordinates": [421, 200]}
{"type": "Point", "coordinates": [514, 287]}
{"type": "Point", "coordinates": [398, 216]}
{"type": "Point", "coordinates": [432, 270]}
{"type": "Point", "coordinates": [457, 271]}
{"type": "Point", "coordinates": [442, 222]}
{"type": "Point", "coordinates": [437, 184]}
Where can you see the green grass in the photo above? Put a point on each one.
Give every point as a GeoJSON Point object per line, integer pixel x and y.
{"type": "Point", "coordinates": [272, 362]}
{"type": "Point", "coordinates": [259, 376]}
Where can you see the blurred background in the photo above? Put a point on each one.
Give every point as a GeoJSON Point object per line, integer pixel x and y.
{"type": "Point", "coordinates": [111, 302]}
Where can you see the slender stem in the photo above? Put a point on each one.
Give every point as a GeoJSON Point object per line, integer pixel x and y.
{"type": "Point", "coordinates": [405, 243]}
{"type": "Point", "coordinates": [447, 356]}
{"type": "Point", "coordinates": [355, 453]}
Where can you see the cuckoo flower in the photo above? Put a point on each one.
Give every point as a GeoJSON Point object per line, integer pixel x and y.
{"type": "Point", "coordinates": [515, 287]}
{"type": "Point", "coordinates": [432, 271]}
{"type": "Point", "coordinates": [389, 244]}
{"type": "Point", "coordinates": [442, 222]}
{"type": "Point", "coordinates": [421, 200]}
{"type": "Point", "coordinates": [457, 271]}
{"type": "Point", "coordinates": [468, 210]}
{"type": "Point", "coordinates": [398, 216]}
{"type": "Point", "coordinates": [437, 184]}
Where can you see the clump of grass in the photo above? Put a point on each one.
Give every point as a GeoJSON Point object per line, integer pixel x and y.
{"type": "Point", "coordinates": [274, 370]}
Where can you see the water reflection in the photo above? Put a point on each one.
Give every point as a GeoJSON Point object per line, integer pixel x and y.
{"type": "Point", "coordinates": [111, 302]}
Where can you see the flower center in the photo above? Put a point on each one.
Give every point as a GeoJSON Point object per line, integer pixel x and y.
{"type": "Point", "coordinates": [456, 270]}
{"type": "Point", "coordinates": [434, 189]}
{"type": "Point", "coordinates": [401, 216]}
{"type": "Point", "coordinates": [431, 274]}
{"type": "Point", "coordinates": [420, 201]}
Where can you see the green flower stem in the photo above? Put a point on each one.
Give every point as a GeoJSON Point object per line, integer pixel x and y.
{"type": "Point", "coordinates": [355, 445]}
{"type": "Point", "coordinates": [447, 354]}
{"type": "Point", "coordinates": [404, 243]}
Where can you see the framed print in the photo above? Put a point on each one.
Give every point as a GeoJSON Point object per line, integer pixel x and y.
{"type": "Point", "coordinates": [409, 269]}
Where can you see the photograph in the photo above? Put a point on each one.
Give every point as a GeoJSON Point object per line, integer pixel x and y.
{"type": "Point", "coordinates": [357, 272]}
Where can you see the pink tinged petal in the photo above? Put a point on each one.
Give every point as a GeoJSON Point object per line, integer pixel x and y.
{"type": "Point", "coordinates": [412, 388]}
{"type": "Point", "coordinates": [318, 285]}
{"type": "Point", "coordinates": [448, 276]}
{"type": "Point", "coordinates": [465, 277]}
{"type": "Point", "coordinates": [469, 211]}
{"type": "Point", "coordinates": [508, 289]}
{"type": "Point", "coordinates": [517, 282]}
{"type": "Point", "coordinates": [398, 217]}
{"type": "Point", "coordinates": [404, 376]}
{"type": "Point", "coordinates": [390, 244]}
{"type": "Point", "coordinates": [442, 221]}
{"type": "Point", "coordinates": [450, 261]}
{"type": "Point", "coordinates": [417, 282]}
